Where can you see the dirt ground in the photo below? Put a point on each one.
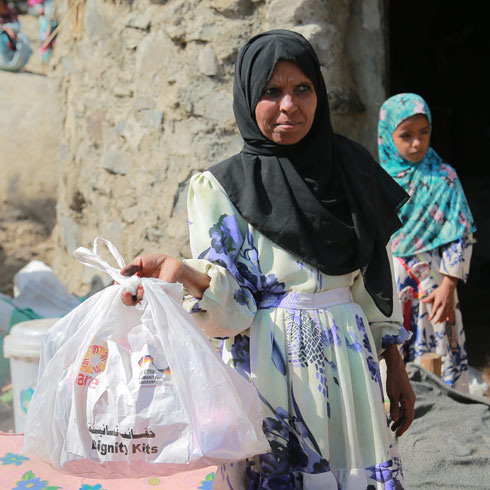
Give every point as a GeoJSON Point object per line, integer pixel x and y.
{"type": "Point", "coordinates": [22, 238]}
{"type": "Point", "coordinates": [28, 163]}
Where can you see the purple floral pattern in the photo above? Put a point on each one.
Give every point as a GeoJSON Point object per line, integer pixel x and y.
{"type": "Point", "coordinates": [372, 363]}
{"type": "Point", "coordinates": [240, 257]}
{"type": "Point", "coordinates": [301, 354]}
{"type": "Point", "coordinates": [241, 355]}
{"type": "Point", "coordinates": [397, 339]}
{"type": "Point", "coordinates": [293, 449]}
{"type": "Point", "coordinates": [305, 345]}
{"type": "Point", "coordinates": [388, 473]}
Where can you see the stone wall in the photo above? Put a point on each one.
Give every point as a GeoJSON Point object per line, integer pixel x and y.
{"type": "Point", "coordinates": [146, 88]}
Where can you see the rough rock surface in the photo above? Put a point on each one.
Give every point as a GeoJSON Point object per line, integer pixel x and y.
{"type": "Point", "coordinates": [147, 91]}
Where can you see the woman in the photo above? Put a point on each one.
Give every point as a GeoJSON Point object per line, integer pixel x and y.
{"type": "Point", "coordinates": [433, 248]}
{"type": "Point", "coordinates": [290, 269]}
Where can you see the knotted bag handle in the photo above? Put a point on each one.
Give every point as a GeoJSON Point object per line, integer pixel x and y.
{"type": "Point", "coordinates": [91, 258]}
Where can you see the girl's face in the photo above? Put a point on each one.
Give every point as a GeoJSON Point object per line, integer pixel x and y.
{"type": "Point", "coordinates": [412, 138]}
{"type": "Point", "coordinates": [286, 110]}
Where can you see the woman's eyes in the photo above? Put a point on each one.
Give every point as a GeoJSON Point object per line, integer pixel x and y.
{"type": "Point", "coordinates": [303, 88]}
{"type": "Point", "coordinates": [277, 91]}
{"type": "Point", "coordinates": [272, 91]}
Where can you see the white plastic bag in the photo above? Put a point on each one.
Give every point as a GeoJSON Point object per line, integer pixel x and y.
{"type": "Point", "coordinates": [137, 391]}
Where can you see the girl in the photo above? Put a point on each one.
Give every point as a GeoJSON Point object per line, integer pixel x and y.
{"type": "Point", "coordinates": [432, 250]}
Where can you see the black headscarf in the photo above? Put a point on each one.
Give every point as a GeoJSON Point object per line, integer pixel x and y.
{"type": "Point", "coordinates": [324, 198]}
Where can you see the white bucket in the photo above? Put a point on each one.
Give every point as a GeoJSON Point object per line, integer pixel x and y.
{"type": "Point", "coordinates": [23, 347]}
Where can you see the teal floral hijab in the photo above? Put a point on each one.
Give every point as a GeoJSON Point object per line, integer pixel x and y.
{"type": "Point", "coordinates": [437, 212]}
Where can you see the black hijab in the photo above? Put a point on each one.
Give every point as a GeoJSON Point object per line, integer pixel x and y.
{"type": "Point", "coordinates": [324, 198]}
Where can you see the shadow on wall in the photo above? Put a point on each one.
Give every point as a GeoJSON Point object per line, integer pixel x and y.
{"type": "Point", "coordinates": [39, 210]}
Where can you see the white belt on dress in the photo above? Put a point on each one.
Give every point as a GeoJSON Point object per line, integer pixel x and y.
{"type": "Point", "coordinates": [307, 301]}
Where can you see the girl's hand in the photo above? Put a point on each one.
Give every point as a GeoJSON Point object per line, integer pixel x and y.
{"type": "Point", "coordinates": [442, 299]}
{"type": "Point", "coordinates": [399, 391]}
{"type": "Point", "coordinates": [168, 269]}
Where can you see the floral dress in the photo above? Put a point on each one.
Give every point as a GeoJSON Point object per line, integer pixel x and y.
{"type": "Point", "coordinates": [416, 277]}
{"type": "Point", "coordinates": [309, 342]}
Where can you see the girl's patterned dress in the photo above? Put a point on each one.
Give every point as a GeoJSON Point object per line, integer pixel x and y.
{"type": "Point", "coordinates": [417, 276]}
{"type": "Point", "coordinates": [308, 341]}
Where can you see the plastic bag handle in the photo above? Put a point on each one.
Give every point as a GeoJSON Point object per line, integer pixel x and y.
{"type": "Point", "coordinates": [93, 259]}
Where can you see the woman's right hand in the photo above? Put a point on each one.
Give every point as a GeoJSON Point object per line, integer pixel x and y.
{"type": "Point", "coordinates": [166, 268]}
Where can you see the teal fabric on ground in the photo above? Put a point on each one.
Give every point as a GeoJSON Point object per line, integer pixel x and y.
{"type": "Point", "coordinates": [14, 59]}
{"type": "Point", "coordinates": [4, 367]}
{"type": "Point", "coordinates": [22, 316]}
{"type": "Point", "coordinates": [17, 316]}
{"type": "Point", "coordinates": [437, 212]}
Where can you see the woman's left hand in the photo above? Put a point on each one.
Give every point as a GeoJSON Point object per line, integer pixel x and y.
{"type": "Point", "coordinates": [399, 391]}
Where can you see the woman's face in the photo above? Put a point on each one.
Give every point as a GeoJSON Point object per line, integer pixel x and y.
{"type": "Point", "coordinates": [286, 110]}
{"type": "Point", "coordinates": [412, 138]}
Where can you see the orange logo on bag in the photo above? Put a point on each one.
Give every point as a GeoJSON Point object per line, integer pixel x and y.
{"type": "Point", "coordinates": [95, 359]}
